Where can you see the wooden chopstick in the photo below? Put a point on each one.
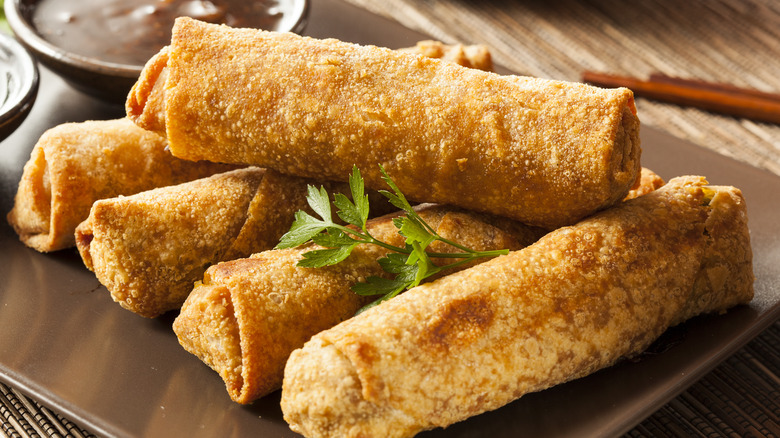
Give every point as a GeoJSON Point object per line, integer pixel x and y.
{"type": "Point", "coordinates": [715, 97]}
{"type": "Point", "coordinates": [717, 86]}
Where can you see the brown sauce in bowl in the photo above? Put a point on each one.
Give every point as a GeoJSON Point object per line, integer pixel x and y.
{"type": "Point", "coordinates": [132, 31]}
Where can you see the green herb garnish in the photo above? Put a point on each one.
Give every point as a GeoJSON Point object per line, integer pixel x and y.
{"type": "Point", "coordinates": [410, 264]}
{"type": "Point", "coordinates": [3, 21]}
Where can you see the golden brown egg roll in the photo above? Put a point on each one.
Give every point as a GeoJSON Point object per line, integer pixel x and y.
{"type": "Point", "coordinates": [538, 151]}
{"type": "Point", "coordinates": [153, 93]}
{"type": "Point", "coordinates": [74, 164]}
{"type": "Point", "coordinates": [574, 302]}
{"type": "Point", "coordinates": [247, 315]}
{"type": "Point", "coordinates": [149, 249]}
{"type": "Point", "coordinates": [225, 319]}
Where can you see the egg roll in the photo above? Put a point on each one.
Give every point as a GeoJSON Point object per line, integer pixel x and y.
{"type": "Point", "coordinates": [576, 301]}
{"type": "Point", "coordinates": [74, 164]}
{"type": "Point", "coordinates": [152, 116]}
{"type": "Point", "coordinates": [247, 315]}
{"type": "Point", "coordinates": [539, 151]}
{"type": "Point", "coordinates": [225, 319]}
{"type": "Point", "coordinates": [149, 249]}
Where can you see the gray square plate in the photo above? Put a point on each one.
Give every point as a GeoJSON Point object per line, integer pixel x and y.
{"type": "Point", "coordinates": [64, 342]}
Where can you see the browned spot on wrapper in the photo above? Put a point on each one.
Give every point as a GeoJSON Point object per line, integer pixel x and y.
{"type": "Point", "coordinates": [233, 267]}
{"type": "Point", "coordinates": [366, 353]}
{"type": "Point", "coordinates": [460, 322]}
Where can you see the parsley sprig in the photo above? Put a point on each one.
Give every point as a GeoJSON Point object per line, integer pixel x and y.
{"type": "Point", "coordinates": [411, 264]}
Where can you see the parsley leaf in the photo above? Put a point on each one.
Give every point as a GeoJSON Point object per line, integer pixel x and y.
{"type": "Point", "coordinates": [318, 258]}
{"type": "Point", "coordinates": [303, 229]}
{"type": "Point", "coordinates": [411, 264]}
{"type": "Point", "coordinates": [319, 202]}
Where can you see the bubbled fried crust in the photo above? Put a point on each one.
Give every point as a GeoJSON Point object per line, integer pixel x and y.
{"type": "Point", "coordinates": [148, 248]}
{"type": "Point", "coordinates": [146, 101]}
{"type": "Point", "coordinates": [572, 303]}
{"type": "Point", "coordinates": [145, 104]}
{"type": "Point", "coordinates": [475, 56]}
{"type": "Point", "coordinates": [648, 181]}
{"type": "Point", "coordinates": [74, 164]}
{"type": "Point", "coordinates": [539, 151]}
{"type": "Point", "coordinates": [249, 314]}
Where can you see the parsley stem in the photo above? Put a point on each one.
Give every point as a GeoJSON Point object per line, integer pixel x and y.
{"type": "Point", "coordinates": [411, 263]}
{"type": "Point", "coordinates": [470, 254]}
{"type": "Point", "coordinates": [455, 244]}
{"type": "Point", "coordinates": [458, 263]}
{"type": "Point", "coordinates": [366, 237]}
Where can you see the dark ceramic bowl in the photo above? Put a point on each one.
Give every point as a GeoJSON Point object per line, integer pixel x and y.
{"type": "Point", "coordinates": [106, 80]}
{"type": "Point", "coordinates": [18, 84]}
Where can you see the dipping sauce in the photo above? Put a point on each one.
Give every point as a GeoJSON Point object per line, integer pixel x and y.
{"type": "Point", "coordinates": [132, 31]}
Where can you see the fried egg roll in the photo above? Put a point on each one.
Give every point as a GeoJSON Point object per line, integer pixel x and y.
{"type": "Point", "coordinates": [247, 315]}
{"type": "Point", "coordinates": [74, 164]}
{"type": "Point", "coordinates": [149, 249]}
{"type": "Point", "coordinates": [153, 116]}
{"type": "Point", "coordinates": [574, 302]}
{"type": "Point", "coordinates": [225, 319]}
{"type": "Point", "coordinates": [542, 152]}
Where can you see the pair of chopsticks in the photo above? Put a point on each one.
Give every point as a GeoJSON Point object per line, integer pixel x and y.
{"type": "Point", "coordinates": [710, 96]}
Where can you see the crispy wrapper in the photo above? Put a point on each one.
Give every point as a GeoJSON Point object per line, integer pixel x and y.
{"type": "Point", "coordinates": [149, 249]}
{"type": "Point", "coordinates": [225, 320]}
{"type": "Point", "coordinates": [247, 315]}
{"type": "Point", "coordinates": [648, 181]}
{"type": "Point", "coordinates": [75, 164]}
{"type": "Point", "coordinates": [474, 56]}
{"type": "Point", "coordinates": [542, 152]}
{"type": "Point", "coordinates": [576, 301]}
{"type": "Point", "coordinates": [152, 93]}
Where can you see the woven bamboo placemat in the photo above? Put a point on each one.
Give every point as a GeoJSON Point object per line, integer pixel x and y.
{"type": "Point", "coordinates": [22, 417]}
